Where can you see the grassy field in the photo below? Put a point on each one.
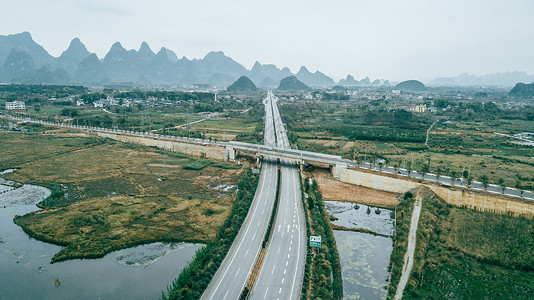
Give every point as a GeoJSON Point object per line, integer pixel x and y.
{"type": "Point", "coordinates": [116, 195]}
{"type": "Point", "coordinates": [466, 254]}
{"type": "Point", "coordinates": [461, 144]}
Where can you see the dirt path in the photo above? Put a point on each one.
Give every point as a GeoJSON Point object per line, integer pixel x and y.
{"type": "Point", "coordinates": [428, 133]}
{"type": "Point", "coordinates": [408, 257]}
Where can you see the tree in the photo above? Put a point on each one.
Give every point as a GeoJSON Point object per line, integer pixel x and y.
{"type": "Point", "coordinates": [501, 184]}
{"type": "Point", "coordinates": [485, 181]}
{"type": "Point", "coordinates": [454, 176]}
{"type": "Point", "coordinates": [438, 172]}
{"type": "Point", "coordinates": [465, 174]}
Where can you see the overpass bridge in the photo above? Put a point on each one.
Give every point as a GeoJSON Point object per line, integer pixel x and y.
{"type": "Point", "coordinates": [228, 148]}
{"type": "Point", "coordinates": [299, 156]}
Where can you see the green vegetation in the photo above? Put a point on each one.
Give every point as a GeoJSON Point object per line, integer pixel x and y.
{"type": "Point", "coordinates": [522, 90]}
{"type": "Point", "coordinates": [139, 110]}
{"type": "Point", "coordinates": [322, 277]}
{"type": "Point", "coordinates": [403, 213]}
{"type": "Point", "coordinates": [108, 196]}
{"type": "Point", "coordinates": [291, 83]}
{"type": "Point", "coordinates": [242, 84]}
{"type": "Point", "coordinates": [410, 85]}
{"type": "Point", "coordinates": [467, 254]}
{"type": "Point", "coordinates": [196, 276]}
{"type": "Point", "coordinates": [461, 139]}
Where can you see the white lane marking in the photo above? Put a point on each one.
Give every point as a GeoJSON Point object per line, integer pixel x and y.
{"type": "Point", "coordinates": [298, 250]}
{"type": "Point", "coordinates": [285, 270]}
{"type": "Point", "coordinates": [283, 280]}
{"type": "Point", "coordinates": [247, 252]}
{"type": "Point", "coordinates": [291, 242]}
{"type": "Point", "coordinates": [288, 255]}
{"type": "Point", "coordinates": [237, 272]}
{"type": "Point", "coordinates": [226, 294]}
{"type": "Point", "coordinates": [289, 248]}
{"type": "Point", "coordinates": [242, 240]}
{"type": "Point", "coordinates": [280, 291]}
{"type": "Point", "coordinates": [278, 250]}
{"type": "Point", "coordinates": [286, 263]}
{"type": "Point", "coordinates": [259, 223]}
{"type": "Point", "coordinates": [262, 211]}
{"type": "Point", "coordinates": [265, 296]}
{"type": "Point", "coordinates": [254, 235]}
{"type": "Point", "coordinates": [273, 269]}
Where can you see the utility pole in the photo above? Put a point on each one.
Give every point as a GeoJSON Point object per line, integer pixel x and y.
{"type": "Point", "coordinates": [469, 172]}
{"type": "Point", "coordinates": [165, 166]}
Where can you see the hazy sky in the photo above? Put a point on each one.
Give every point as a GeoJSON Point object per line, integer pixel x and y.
{"type": "Point", "coordinates": [390, 39]}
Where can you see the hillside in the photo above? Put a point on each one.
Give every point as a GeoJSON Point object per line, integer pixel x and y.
{"type": "Point", "coordinates": [22, 61]}
{"type": "Point", "coordinates": [410, 85]}
{"type": "Point", "coordinates": [291, 83]}
{"type": "Point", "coordinates": [522, 90]}
{"type": "Point", "coordinates": [243, 84]}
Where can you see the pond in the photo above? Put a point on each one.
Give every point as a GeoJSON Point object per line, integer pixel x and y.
{"type": "Point", "coordinates": [364, 257]}
{"type": "Point", "coordinates": [141, 272]}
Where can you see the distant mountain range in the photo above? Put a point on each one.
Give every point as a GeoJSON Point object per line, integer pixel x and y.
{"type": "Point", "coordinates": [498, 79]}
{"type": "Point", "coordinates": [22, 60]}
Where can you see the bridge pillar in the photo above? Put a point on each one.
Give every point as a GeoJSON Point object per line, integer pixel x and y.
{"type": "Point", "coordinates": [229, 154]}
{"type": "Point", "coordinates": [340, 171]}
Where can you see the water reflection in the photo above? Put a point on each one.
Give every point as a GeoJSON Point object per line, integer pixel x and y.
{"type": "Point", "coordinates": [364, 257]}
{"type": "Point", "coordinates": [141, 272]}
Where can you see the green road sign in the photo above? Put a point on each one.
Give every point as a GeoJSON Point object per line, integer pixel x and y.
{"type": "Point", "coordinates": [315, 241]}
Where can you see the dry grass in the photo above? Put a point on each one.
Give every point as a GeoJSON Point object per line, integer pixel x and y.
{"type": "Point", "coordinates": [336, 190]}
{"type": "Point", "coordinates": [123, 198]}
{"type": "Point", "coordinates": [95, 227]}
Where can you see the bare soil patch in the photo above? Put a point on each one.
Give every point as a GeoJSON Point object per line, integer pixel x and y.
{"type": "Point", "coordinates": [336, 190]}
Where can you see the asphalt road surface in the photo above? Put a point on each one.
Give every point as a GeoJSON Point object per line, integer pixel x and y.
{"type": "Point", "coordinates": [283, 268]}
{"type": "Point", "coordinates": [231, 277]}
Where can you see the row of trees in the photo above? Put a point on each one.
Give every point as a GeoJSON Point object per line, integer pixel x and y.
{"type": "Point", "coordinates": [325, 281]}
{"type": "Point", "coordinates": [196, 276]}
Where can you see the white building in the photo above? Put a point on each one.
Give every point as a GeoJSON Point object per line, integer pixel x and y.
{"type": "Point", "coordinates": [15, 105]}
{"type": "Point", "coordinates": [418, 108]}
{"type": "Point", "coordinates": [98, 104]}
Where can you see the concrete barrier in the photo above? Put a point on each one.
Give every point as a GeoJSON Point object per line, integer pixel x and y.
{"type": "Point", "coordinates": [457, 196]}
{"type": "Point", "coordinates": [194, 149]}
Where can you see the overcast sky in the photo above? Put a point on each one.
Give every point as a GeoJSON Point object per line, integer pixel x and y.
{"type": "Point", "coordinates": [390, 39]}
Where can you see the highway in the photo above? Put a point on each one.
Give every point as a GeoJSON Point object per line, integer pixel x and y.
{"type": "Point", "coordinates": [283, 268]}
{"type": "Point", "coordinates": [299, 155]}
{"type": "Point", "coordinates": [231, 277]}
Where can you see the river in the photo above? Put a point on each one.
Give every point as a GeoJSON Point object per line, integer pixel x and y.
{"type": "Point", "coordinates": [141, 272]}
{"type": "Point", "coordinates": [364, 257]}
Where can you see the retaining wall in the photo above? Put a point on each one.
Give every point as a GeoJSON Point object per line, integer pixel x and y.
{"type": "Point", "coordinates": [198, 150]}
{"type": "Point", "coordinates": [457, 196]}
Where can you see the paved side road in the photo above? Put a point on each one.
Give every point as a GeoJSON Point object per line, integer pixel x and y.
{"type": "Point", "coordinates": [408, 256]}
